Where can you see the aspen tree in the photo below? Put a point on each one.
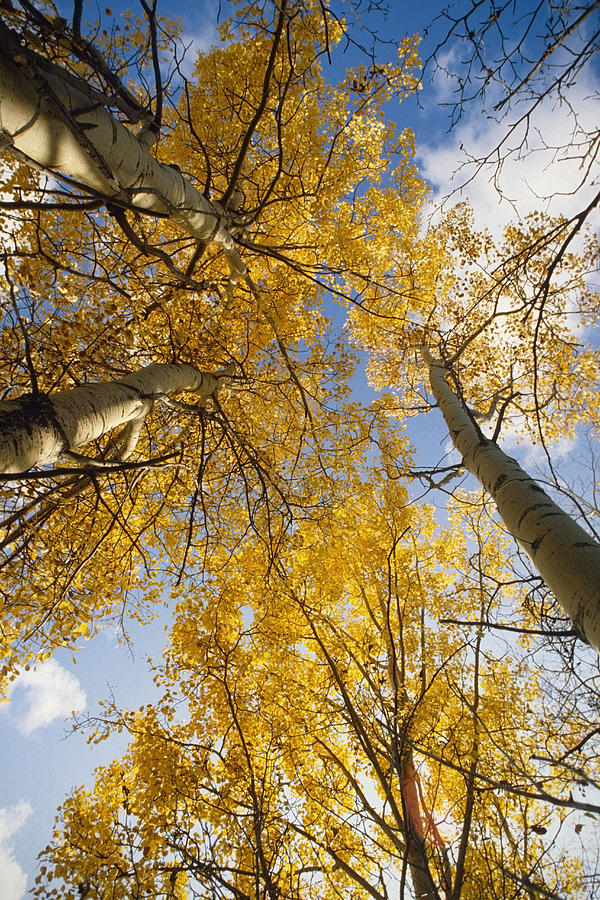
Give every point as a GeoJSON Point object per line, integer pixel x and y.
{"type": "Point", "coordinates": [565, 555]}
{"type": "Point", "coordinates": [320, 733]}
{"type": "Point", "coordinates": [35, 431]}
{"type": "Point", "coordinates": [117, 261]}
{"type": "Point", "coordinates": [49, 119]}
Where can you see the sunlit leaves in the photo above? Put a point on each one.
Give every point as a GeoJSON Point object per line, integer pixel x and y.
{"type": "Point", "coordinates": [96, 293]}
{"type": "Point", "coordinates": [295, 706]}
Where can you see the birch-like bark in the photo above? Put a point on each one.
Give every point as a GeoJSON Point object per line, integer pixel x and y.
{"type": "Point", "coordinates": [46, 119]}
{"type": "Point", "coordinates": [566, 557]}
{"type": "Point", "coordinates": [35, 430]}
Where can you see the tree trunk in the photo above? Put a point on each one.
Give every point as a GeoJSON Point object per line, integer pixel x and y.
{"type": "Point", "coordinates": [564, 554]}
{"type": "Point", "coordinates": [420, 875]}
{"type": "Point", "coordinates": [48, 121]}
{"type": "Point", "coordinates": [35, 430]}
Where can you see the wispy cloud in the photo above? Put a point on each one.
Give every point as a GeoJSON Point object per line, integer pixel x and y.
{"type": "Point", "coordinates": [199, 35]}
{"type": "Point", "coordinates": [196, 42]}
{"type": "Point", "coordinates": [531, 455]}
{"type": "Point", "coordinates": [12, 877]}
{"type": "Point", "coordinates": [48, 692]}
{"type": "Point", "coordinates": [540, 174]}
{"type": "Point", "coordinates": [540, 169]}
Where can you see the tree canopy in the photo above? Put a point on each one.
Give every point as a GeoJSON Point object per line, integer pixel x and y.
{"type": "Point", "coordinates": [367, 690]}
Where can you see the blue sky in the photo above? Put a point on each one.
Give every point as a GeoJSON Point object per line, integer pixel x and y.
{"type": "Point", "coordinates": [39, 763]}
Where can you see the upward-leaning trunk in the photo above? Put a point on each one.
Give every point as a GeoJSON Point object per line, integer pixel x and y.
{"type": "Point", "coordinates": [413, 833]}
{"type": "Point", "coordinates": [564, 554]}
{"type": "Point", "coordinates": [46, 119]}
{"type": "Point", "coordinates": [35, 430]}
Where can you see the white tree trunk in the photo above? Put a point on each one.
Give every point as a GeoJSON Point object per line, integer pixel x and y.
{"type": "Point", "coordinates": [566, 557]}
{"type": "Point", "coordinates": [37, 430]}
{"type": "Point", "coordinates": [59, 128]}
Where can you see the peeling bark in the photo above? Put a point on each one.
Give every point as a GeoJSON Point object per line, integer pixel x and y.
{"type": "Point", "coordinates": [35, 430]}
{"type": "Point", "coordinates": [565, 555]}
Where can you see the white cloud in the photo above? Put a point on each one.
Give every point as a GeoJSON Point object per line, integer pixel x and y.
{"type": "Point", "coordinates": [542, 173]}
{"type": "Point", "coordinates": [199, 35]}
{"type": "Point", "coordinates": [538, 175]}
{"type": "Point", "coordinates": [197, 42]}
{"type": "Point", "coordinates": [529, 454]}
{"type": "Point", "coordinates": [12, 878]}
{"type": "Point", "coordinates": [51, 693]}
